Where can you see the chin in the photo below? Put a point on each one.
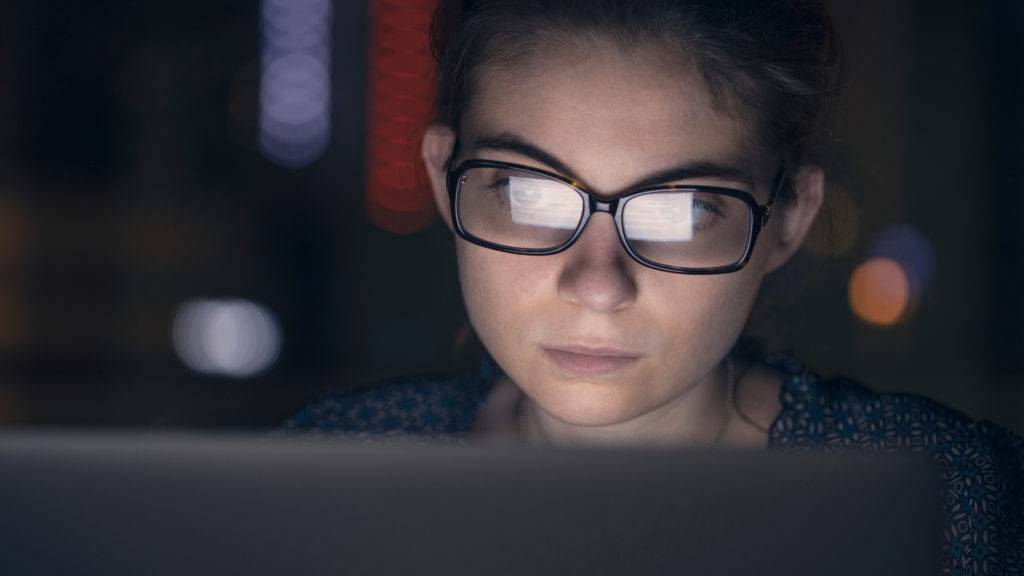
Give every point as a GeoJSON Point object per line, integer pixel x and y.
{"type": "Point", "coordinates": [586, 404]}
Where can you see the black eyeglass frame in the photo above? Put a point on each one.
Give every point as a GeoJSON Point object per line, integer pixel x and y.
{"type": "Point", "coordinates": [758, 213]}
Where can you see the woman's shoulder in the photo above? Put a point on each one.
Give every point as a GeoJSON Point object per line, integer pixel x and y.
{"type": "Point", "coordinates": [429, 407]}
{"type": "Point", "coordinates": [981, 463]}
{"type": "Point", "coordinates": [842, 413]}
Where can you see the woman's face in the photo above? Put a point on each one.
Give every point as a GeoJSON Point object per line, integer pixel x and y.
{"type": "Point", "coordinates": [590, 335]}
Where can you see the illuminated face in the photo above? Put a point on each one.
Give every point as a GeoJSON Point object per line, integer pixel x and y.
{"type": "Point", "coordinates": [591, 336]}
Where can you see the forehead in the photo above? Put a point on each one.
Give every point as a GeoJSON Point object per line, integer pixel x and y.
{"type": "Point", "coordinates": [608, 115]}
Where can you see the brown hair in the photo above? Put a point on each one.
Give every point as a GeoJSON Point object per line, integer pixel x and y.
{"type": "Point", "coordinates": [772, 61]}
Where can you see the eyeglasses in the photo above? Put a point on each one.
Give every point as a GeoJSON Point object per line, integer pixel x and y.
{"type": "Point", "coordinates": [681, 229]}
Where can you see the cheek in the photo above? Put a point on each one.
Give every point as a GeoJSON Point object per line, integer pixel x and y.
{"type": "Point", "coordinates": [500, 290]}
{"type": "Point", "coordinates": [702, 315]}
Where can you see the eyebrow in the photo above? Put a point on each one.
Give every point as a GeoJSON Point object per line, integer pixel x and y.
{"type": "Point", "coordinates": [511, 143]}
{"type": "Point", "coordinates": [507, 142]}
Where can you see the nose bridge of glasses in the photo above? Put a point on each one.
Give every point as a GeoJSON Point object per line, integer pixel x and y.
{"type": "Point", "coordinates": [609, 207]}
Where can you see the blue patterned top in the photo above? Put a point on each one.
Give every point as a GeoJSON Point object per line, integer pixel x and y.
{"type": "Point", "coordinates": [982, 464]}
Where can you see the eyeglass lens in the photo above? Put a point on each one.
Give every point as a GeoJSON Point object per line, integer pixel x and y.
{"type": "Point", "coordinates": [680, 229]}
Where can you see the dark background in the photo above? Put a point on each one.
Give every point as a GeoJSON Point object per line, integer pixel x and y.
{"type": "Point", "coordinates": [131, 181]}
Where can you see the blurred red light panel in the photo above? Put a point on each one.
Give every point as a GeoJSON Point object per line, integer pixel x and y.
{"type": "Point", "coordinates": [399, 101]}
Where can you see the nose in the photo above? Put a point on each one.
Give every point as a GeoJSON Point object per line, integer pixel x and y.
{"type": "Point", "coordinates": [597, 271]}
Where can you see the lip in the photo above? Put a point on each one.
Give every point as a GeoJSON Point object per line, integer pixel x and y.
{"type": "Point", "coordinates": [590, 360]}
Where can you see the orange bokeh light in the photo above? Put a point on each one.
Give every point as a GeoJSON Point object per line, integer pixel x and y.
{"type": "Point", "coordinates": [879, 292]}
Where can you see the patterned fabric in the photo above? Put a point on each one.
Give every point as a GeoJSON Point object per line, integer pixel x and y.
{"type": "Point", "coordinates": [443, 409]}
{"type": "Point", "coordinates": [982, 464]}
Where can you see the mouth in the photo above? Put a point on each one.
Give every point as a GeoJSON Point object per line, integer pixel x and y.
{"type": "Point", "coordinates": [586, 360]}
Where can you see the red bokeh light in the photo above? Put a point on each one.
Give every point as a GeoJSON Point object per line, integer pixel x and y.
{"type": "Point", "coordinates": [399, 102]}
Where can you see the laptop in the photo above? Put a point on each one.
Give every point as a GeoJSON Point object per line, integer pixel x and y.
{"type": "Point", "coordinates": [146, 503]}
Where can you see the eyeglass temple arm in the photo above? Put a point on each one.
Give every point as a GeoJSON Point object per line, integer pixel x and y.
{"type": "Point", "coordinates": [765, 210]}
{"type": "Point", "coordinates": [449, 165]}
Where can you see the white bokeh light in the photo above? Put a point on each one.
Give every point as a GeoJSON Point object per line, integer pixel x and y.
{"type": "Point", "coordinates": [226, 337]}
{"type": "Point", "coordinates": [295, 81]}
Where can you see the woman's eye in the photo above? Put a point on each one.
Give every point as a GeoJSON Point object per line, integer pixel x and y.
{"type": "Point", "coordinates": [529, 195]}
{"type": "Point", "coordinates": [703, 210]}
{"type": "Point", "coordinates": [522, 192]}
{"type": "Point", "coordinates": [499, 184]}
{"type": "Point", "coordinates": [501, 189]}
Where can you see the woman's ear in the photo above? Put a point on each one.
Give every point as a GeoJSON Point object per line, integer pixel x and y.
{"type": "Point", "coordinates": [438, 145]}
{"type": "Point", "coordinates": [809, 191]}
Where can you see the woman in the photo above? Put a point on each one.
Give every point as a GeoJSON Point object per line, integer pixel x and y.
{"type": "Point", "coordinates": [620, 177]}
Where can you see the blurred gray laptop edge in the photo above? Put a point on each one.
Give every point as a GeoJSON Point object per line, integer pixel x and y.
{"type": "Point", "coordinates": [145, 503]}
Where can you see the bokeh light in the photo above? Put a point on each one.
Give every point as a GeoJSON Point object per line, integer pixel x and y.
{"type": "Point", "coordinates": [226, 337]}
{"type": "Point", "coordinates": [400, 97]}
{"type": "Point", "coordinates": [295, 81]}
{"type": "Point", "coordinates": [879, 292]}
{"type": "Point", "coordinates": [911, 248]}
